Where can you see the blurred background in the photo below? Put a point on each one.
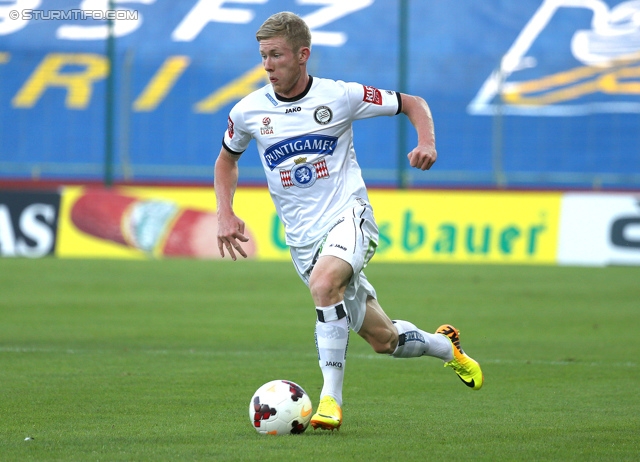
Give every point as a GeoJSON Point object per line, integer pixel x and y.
{"type": "Point", "coordinates": [529, 94]}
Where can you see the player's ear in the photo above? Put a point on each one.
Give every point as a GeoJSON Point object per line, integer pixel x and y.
{"type": "Point", "coordinates": [303, 55]}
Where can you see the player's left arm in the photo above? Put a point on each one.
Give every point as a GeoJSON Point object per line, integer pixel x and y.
{"type": "Point", "coordinates": [417, 110]}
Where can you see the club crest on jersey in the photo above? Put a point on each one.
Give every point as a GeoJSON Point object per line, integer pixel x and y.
{"type": "Point", "coordinates": [304, 174]}
{"type": "Point", "coordinates": [266, 128]}
{"type": "Point", "coordinates": [322, 115]}
{"type": "Point", "coordinates": [322, 145]}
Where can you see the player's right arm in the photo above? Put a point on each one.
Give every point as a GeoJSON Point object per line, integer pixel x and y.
{"type": "Point", "coordinates": [230, 226]}
{"type": "Point", "coordinates": [417, 110]}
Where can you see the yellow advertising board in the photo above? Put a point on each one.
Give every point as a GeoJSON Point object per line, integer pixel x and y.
{"type": "Point", "coordinates": [415, 226]}
{"type": "Point", "coordinates": [467, 226]}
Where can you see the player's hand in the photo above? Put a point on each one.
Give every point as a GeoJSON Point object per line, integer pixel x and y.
{"type": "Point", "coordinates": [422, 157]}
{"type": "Point", "coordinates": [230, 234]}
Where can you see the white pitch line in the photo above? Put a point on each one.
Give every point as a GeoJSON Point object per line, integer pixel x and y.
{"type": "Point", "coordinates": [236, 353]}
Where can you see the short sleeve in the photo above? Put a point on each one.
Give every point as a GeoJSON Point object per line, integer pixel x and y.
{"type": "Point", "coordinates": [366, 101]}
{"type": "Point", "coordinates": [236, 137]}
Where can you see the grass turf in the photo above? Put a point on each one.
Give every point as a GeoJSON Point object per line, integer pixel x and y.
{"type": "Point", "coordinates": [157, 360]}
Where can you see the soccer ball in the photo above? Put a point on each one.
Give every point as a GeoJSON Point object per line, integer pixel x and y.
{"type": "Point", "coordinates": [280, 407]}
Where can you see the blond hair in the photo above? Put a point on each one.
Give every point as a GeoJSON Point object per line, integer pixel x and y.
{"type": "Point", "coordinates": [288, 25]}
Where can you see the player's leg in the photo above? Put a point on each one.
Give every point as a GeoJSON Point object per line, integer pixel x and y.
{"type": "Point", "coordinates": [327, 284]}
{"type": "Point", "coordinates": [332, 325]}
{"type": "Point", "coordinates": [333, 282]}
{"type": "Point", "coordinates": [403, 339]}
{"type": "Point", "coordinates": [399, 338]}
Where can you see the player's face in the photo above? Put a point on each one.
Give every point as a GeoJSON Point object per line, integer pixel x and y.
{"type": "Point", "coordinates": [283, 66]}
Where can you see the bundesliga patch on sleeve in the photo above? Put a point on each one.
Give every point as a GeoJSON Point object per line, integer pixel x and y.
{"type": "Point", "coordinates": [372, 95]}
{"type": "Point", "coordinates": [230, 127]}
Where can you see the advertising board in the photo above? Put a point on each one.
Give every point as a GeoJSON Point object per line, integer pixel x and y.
{"type": "Point", "coordinates": [28, 223]}
{"type": "Point", "coordinates": [599, 229]}
{"type": "Point", "coordinates": [592, 229]}
{"type": "Point", "coordinates": [421, 226]}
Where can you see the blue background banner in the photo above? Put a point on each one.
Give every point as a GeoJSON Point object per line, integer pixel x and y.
{"type": "Point", "coordinates": [528, 93]}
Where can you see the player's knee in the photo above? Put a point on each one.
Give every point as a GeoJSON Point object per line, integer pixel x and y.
{"type": "Point", "coordinates": [324, 287]}
{"type": "Point", "coordinates": [320, 288]}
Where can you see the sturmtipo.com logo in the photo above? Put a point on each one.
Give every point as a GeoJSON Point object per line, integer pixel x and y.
{"type": "Point", "coordinates": [75, 14]}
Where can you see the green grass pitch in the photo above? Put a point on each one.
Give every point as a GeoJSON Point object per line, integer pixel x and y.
{"type": "Point", "coordinates": [158, 360]}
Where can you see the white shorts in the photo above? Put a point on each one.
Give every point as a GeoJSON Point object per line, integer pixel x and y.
{"type": "Point", "coordinates": [353, 238]}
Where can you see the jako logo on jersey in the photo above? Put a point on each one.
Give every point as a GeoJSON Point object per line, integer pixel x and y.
{"type": "Point", "coordinates": [372, 95]}
{"type": "Point", "coordinates": [293, 109]}
{"type": "Point", "coordinates": [305, 144]}
{"type": "Point", "coordinates": [338, 246]}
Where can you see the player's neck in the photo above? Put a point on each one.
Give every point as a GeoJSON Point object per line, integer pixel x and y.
{"type": "Point", "coordinates": [299, 91]}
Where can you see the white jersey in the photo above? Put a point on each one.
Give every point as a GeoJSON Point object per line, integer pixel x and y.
{"type": "Point", "coordinates": [306, 147]}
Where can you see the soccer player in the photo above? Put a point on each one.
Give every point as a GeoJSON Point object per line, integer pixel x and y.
{"type": "Point", "coordinates": [303, 130]}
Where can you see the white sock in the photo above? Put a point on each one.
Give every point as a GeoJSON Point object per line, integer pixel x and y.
{"type": "Point", "coordinates": [332, 338]}
{"type": "Point", "coordinates": [414, 342]}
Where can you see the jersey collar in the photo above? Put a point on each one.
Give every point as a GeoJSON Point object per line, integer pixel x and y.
{"type": "Point", "coordinates": [298, 97]}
